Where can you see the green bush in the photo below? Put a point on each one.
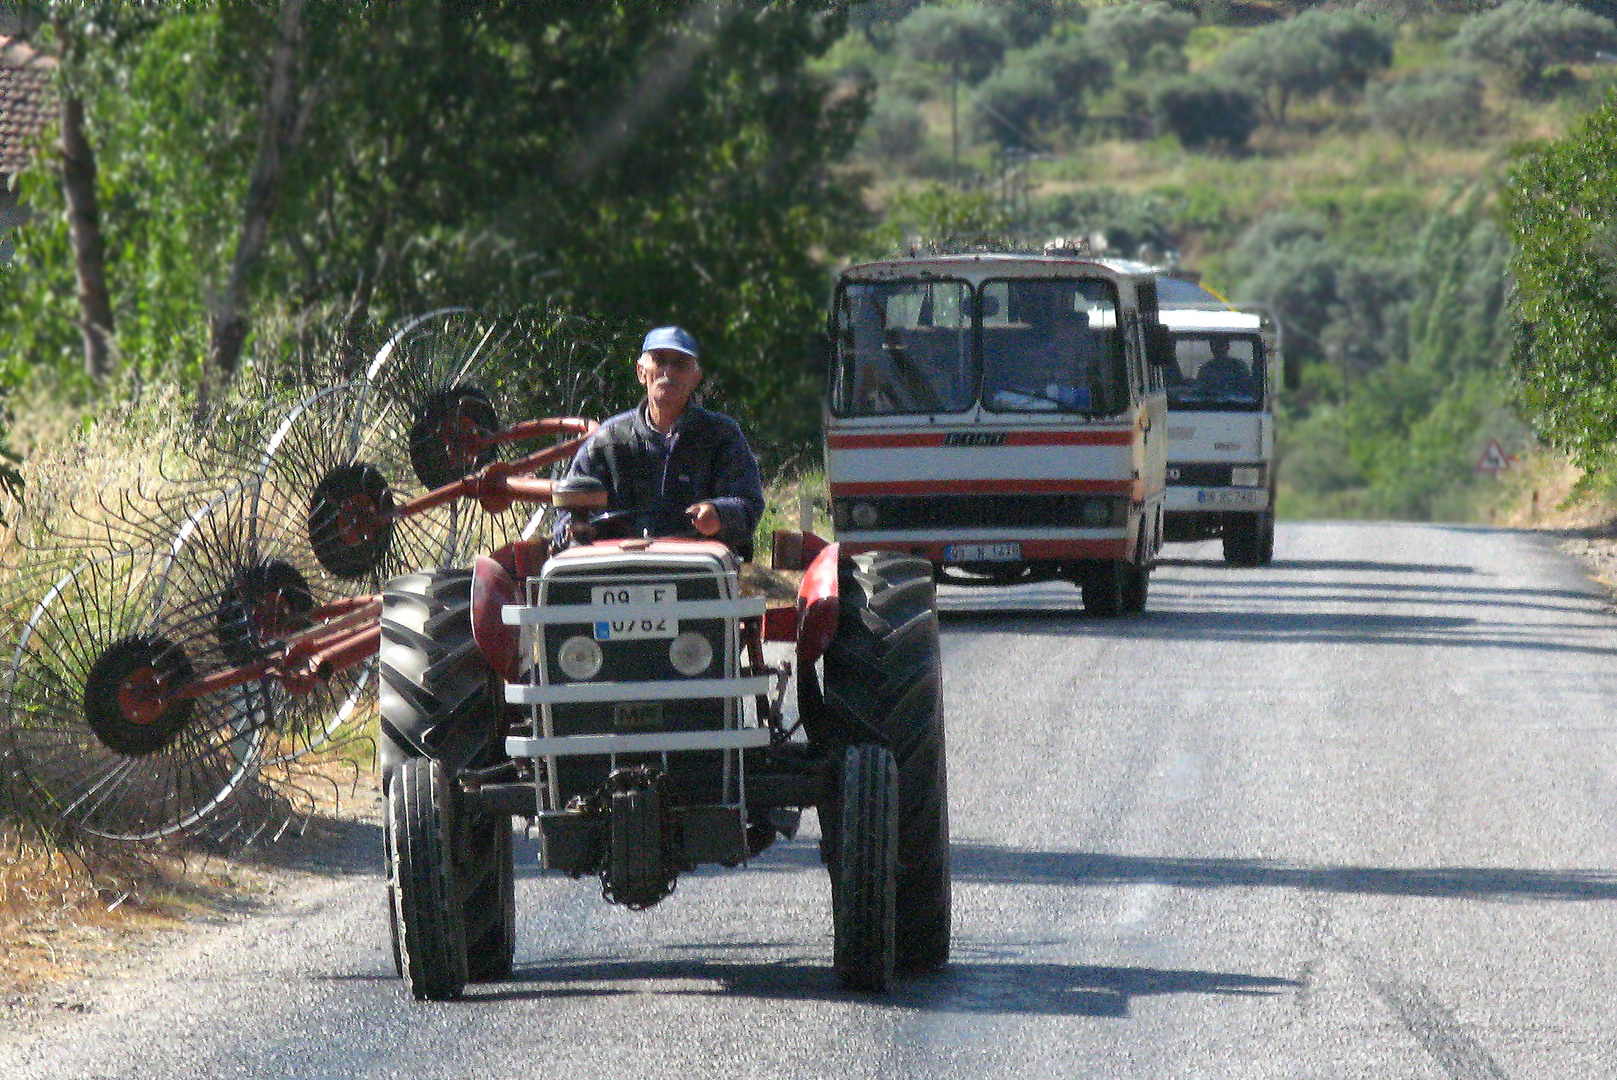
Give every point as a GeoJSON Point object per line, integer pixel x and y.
{"type": "Point", "coordinates": [1523, 37]}
{"type": "Point", "coordinates": [1204, 113]}
{"type": "Point", "coordinates": [895, 131]}
{"type": "Point", "coordinates": [1133, 32]}
{"type": "Point", "coordinates": [968, 38]}
{"type": "Point", "coordinates": [1441, 103]}
{"type": "Point", "coordinates": [1314, 53]}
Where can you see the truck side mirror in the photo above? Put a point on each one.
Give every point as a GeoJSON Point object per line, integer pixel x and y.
{"type": "Point", "coordinates": [1159, 349]}
{"type": "Point", "coordinates": [819, 353]}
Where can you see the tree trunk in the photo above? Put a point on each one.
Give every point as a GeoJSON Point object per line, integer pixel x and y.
{"type": "Point", "coordinates": [280, 128]}
{"type": "Point", "coordinates": [89, 248]}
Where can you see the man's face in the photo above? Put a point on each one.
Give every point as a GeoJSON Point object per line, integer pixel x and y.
{"type": "Point", "coordinates": [670, 377]}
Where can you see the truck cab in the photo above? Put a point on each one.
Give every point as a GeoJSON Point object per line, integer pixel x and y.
{"type": "Point", "coordinates": [1002, 416]}
{"type": "Point", "coordinates": [1222, 388]}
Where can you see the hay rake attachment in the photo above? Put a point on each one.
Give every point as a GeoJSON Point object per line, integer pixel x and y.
{"type": "Point", "coordinates": [173, 686]}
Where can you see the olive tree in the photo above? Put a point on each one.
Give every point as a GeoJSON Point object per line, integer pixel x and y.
{"type": "Point", "coordinates": [1523, 37]}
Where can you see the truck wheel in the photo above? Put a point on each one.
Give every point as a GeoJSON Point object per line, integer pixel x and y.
{"type": "Point", "coordinates": [1104, 588]}
{"type": "Point", "coordinates": [1243, 539]}
{"type": "Point", "coordinates": [1266, 535]}
{"type": "Point", "coordinates": [490, 911]}
{"type": "Point", "coordinates": [883, 674]}
{"type": "Point", "coordinates": [1136, 585]}
{"type": "Point", "coordinates": [432, 941]}
{"type": "Point", "coordinates": [864, 879]}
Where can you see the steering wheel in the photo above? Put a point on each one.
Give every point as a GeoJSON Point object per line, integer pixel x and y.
{"type": "Point", "coordinates": [635, 523]}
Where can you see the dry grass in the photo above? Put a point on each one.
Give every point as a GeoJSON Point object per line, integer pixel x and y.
{"type": "Point", "coordinates": [62, 911]}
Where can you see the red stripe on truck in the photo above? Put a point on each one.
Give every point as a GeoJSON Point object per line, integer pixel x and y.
{"type": "Point", "coordinates": [851, 489]}
{"type": "Point", "coordinates": [899, 440]}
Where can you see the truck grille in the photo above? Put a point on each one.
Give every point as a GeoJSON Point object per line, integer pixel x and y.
{"type": "Point", "coordinates": [976, 511]}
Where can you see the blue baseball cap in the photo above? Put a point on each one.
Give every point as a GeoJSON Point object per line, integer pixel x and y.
{"type": "Point", "coordinates": [670, 337]}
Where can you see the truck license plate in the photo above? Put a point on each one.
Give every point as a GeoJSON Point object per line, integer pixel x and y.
{"type": "Point", "coordinates": [643, 625]}
{"type": "Point", "coordinates": [983, 553]}
{"type": "Point", "coordinates": [1229, 497]}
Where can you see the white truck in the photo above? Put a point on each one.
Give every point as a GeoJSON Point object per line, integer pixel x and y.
{"type": "Point", "coordinates": [1222, 390]}
{"type": "Point", "coordinates": [1001, 416]}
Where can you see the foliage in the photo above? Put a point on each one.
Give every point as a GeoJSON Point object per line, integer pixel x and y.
{"type": "Point", "coordinates": [1203, 113]}
{"type": "Point", "coordinates": [1038, 88]}
{"type": "Point", "coordinates": [632, 159]}
{"type": "Point", "coordinates": [1126, 222]}
{"type": "Point", "coordinates": [1444, 103]}
{"type": "Point", "coordinates": [1561, 209]}
{"type": "Point", "coordinates": [967, 38]}
{"type": "Point", "coordinates": [1316, 52]}
{"type": "Point", "coordinates": [1132, 32]}
{"type": "Point", "coordinates": [936, 211]}
{"type": "Point", "coordinates": [1524, 37]}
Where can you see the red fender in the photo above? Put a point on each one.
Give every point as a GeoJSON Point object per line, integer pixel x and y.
{"type": "Point", "coordinates": [818, 606]}
{"type": "Point", "coordinates": [492, 589]}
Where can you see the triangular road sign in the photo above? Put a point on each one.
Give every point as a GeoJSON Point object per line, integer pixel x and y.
{"type": "Point", "coordinates": [1493, 459]}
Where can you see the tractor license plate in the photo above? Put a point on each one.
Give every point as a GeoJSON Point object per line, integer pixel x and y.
{"type": "Point", "coordinates": [982, 553]}
{"type": "Point", "coordinates": [637, 715]}
{"type": "Point", "coordinates": [642, 625]}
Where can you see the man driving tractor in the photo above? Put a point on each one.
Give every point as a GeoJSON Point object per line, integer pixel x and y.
{"type": "Point", "coordinates": [671, 465]}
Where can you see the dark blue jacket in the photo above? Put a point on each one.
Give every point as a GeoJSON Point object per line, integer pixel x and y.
{"type": "Point", "coordinates": [705, 459]}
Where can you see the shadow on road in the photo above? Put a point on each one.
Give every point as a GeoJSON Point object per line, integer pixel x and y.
{"type": "Point", "coordinates": [993, 865]}
{"type": "Point", "coordinates": [1335, 564]}
{"type": "Point", "coordinates": [1268, 627]}
{"type": "Point", "coordinates": [998, 988]}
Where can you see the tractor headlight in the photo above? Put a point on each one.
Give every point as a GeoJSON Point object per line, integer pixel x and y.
{"type": "Point", "coordinates": [579, 658]}
{"type": "Point", "coordinates": [690, 653]}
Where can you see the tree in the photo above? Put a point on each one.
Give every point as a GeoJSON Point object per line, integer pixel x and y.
{"type": "Point", "coordinates": [1038, 88]}
{"type": "Point", "coordinates": [1316, 52]}
{"type": "Point", "coordinates": [1134, 31]}
{"type": "Point", "coordinates": [967, 39]}
{"type": "Point", "coordinates": [1523, 37]}
{"type": "Point", "coordinates": [1560, 206]}
{"type": "Point", "coordinates": [1203, 113]}
{"type": "Point", "coordinates": [650, 162]}
{"type": "Point", "coordinates": [1442, 102]}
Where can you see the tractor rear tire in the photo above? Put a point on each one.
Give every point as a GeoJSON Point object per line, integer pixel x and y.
{"type": "Point", "coordinates": [438, 694]}
{"type": "Point", "coordinates": [490, 910]}
{"type": "Point", "coordinates": [864, 881]}
{"type": "Point", "coordinates": [883, 677]}
{"type": "Point", "coordinates": [427, 896]}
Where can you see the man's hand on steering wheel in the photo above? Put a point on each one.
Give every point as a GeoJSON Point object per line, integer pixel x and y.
{"type": "Point", "coordinates": [705, 518]}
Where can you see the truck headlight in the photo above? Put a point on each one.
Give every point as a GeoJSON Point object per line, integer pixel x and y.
{"type": "Point", "coordinates": [579, 658]}
{"type": "Point", "coordinates": [1097, 513]}
{"type": "Point", "coordinates": [1246, 476]}
{"type": "Point", "coordinates": [690, 653]}
{"type": "Point", "coordinates": [863, 515]}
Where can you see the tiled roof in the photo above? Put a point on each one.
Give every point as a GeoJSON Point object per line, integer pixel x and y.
{"type": "Point", "coordinates": [27, 103]}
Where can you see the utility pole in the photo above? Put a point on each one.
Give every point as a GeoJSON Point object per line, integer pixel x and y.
{"type": "Point", "coordinates": [954, 125]}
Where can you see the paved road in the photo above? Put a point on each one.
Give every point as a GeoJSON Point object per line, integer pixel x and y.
{"type": "Point", "coordinates": [1351, 815]}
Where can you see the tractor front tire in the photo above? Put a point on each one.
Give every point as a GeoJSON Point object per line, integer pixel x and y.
{"type": "Point", "coordinates": [883, 677]}
{"type": "Point", "coordinates": [428, 906]}
{"type": "Point", "coordinates": [864, 878]}
{"type": "Point", "coordinates": [490, 911]}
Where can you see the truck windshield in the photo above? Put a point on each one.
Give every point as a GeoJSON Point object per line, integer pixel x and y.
{"type": "Point", "coordinates": [1052, 345]}
{"type": "Point", "coordinates": [1216, 371]}
{"type": "Point", "coordinates": [903, 347]}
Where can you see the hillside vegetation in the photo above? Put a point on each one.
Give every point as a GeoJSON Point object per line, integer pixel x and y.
{"type": "Point", "coordinates": [1341, 165]}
